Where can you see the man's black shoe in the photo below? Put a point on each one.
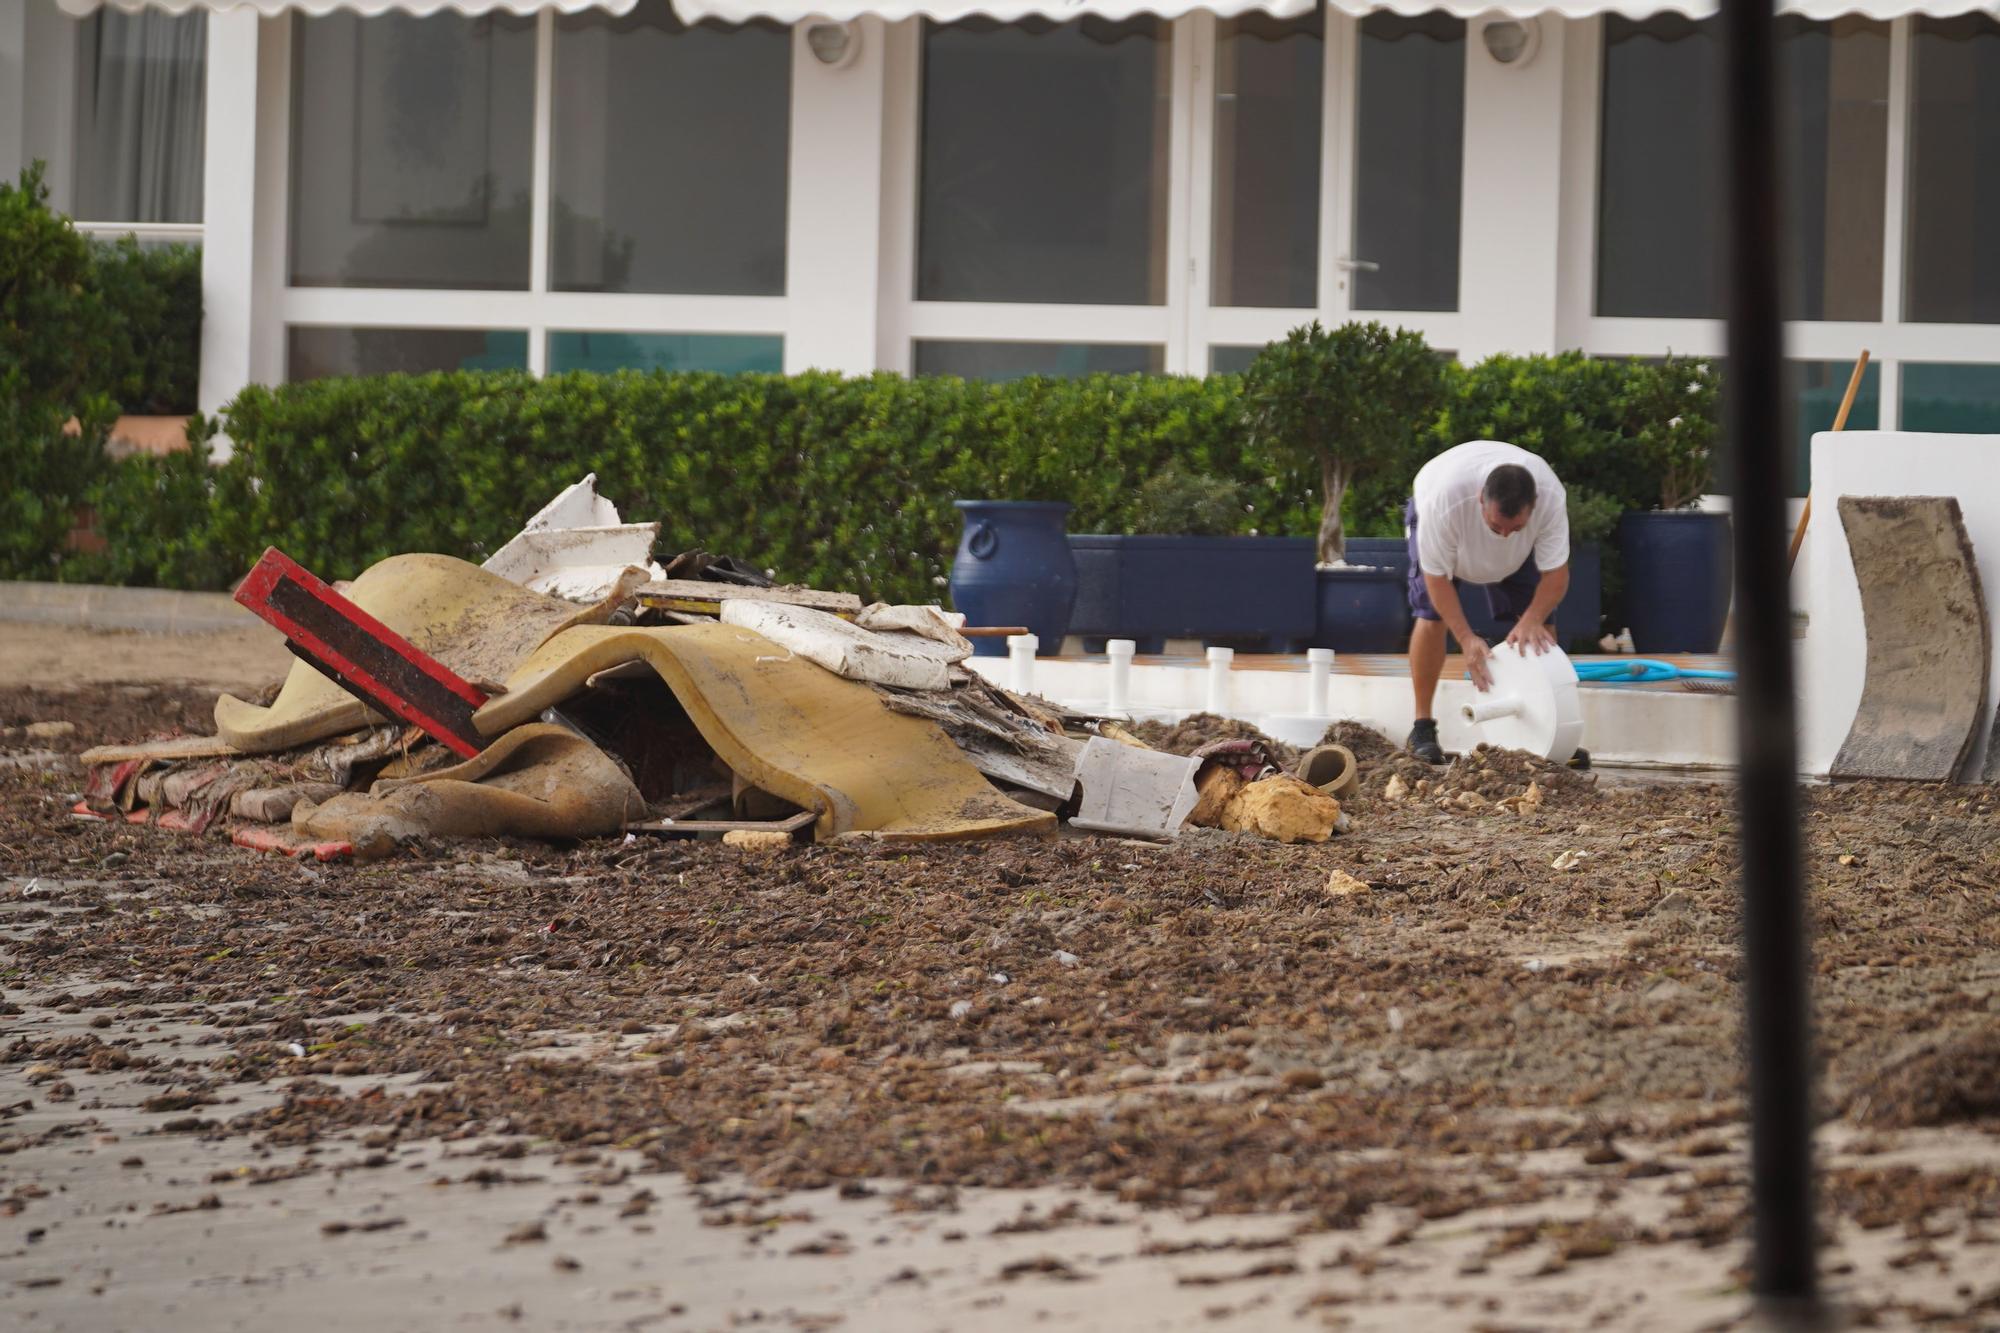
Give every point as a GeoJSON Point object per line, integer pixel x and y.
{"type": "Point", "coordinates": [1423, 741]}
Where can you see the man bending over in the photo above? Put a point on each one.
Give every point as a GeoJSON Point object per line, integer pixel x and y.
{"type": "Point", "coordinates": [1491, 514]}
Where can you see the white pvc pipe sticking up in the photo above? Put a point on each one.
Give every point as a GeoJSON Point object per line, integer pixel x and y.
{"type": "Point", "coordinates": [1219, 662]}
{"type": "Point", "coordinates": [1319, 670]}
{"type": "Point", "coordinates": [1021, 662]}
{"type": "Point", "coordinates": [1120, 651]}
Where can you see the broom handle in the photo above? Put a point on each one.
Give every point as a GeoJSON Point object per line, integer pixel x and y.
{"type": "Point", "coordinates": [1839, 423]}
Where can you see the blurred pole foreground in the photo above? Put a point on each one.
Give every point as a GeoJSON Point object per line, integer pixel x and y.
{"type": "Point", "coordinates": [1774, 945]}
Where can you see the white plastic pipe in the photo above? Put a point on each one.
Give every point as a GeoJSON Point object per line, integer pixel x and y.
{"type": "Point", "coordinates": [1319, 671]}
{"type": "Point", "coordinates": [1485, 710]}
{"type": "Point", "coordinates": [1120, 651]}
{"type": "Point", "coordinates": [1021, 662]}
{"type": "Point", "coordinates": [1220, 661]}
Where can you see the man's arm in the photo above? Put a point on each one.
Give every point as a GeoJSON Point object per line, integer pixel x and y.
{"type": "Point", "coordinates": [1532, 629]}
{"type": "Point", "coordinates": [1444, 600]}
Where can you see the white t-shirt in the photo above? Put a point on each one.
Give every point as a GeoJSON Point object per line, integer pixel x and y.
{"type": "Point", "coordinates": [1453, 540]}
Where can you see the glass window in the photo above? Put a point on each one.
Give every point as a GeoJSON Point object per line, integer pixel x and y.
{"type": "Point", "coordinates": [1269, 74]}
{"type": "Point", "coordinates": [1044, 162]}
{"type": "Point", "coordinates": [1952, 273]}
{"type": "Point", "coordinates": [1660, 186]}
{"type": "Point", "coordinates": [317, 353]}
{"type": "Point", "coordinates": [728, 353]}
{"type": "Point", "coordinates": [1224, 359]}
{"type": "Point", "coordinates": [1815, 389]}
{"type": "Point", "coordinates": [1013, 361]}
{"type": "Point", "coordinates": [141, 86]}
{"type": "Point", "coordinates": [1955, 399]}
{"type": "Point", "coordinates": [411, 145]}
{"type": "Point", "coordinates": [670, 151]}
{"type": "Point", "coordinates": [1409, 164]}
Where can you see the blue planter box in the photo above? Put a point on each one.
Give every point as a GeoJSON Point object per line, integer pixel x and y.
{"type": "Point", "coordinates": [1577, 615]}
{"type": "Point", "coordinates": [1252, 592]}
{"type": "Point", "coordinates": [1366, 610]}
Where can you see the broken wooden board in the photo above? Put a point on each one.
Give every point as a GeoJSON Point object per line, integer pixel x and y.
{"type": "Point", "coordinates": [1928, 640]}
{"type": "Point", "coordinates": [696, 828]}
{"type": "Point", "coordinates": [699, 597]}
{"type": "Point", "coordinates": [361, 654]}
{"type": "Point", "coordinates": [175, 747]}
{"type": "Point", "coordinates": [999, 742]}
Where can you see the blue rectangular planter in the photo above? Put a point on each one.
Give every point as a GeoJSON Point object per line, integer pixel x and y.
{"type": "Point", "coordinates": [1578, 615]}
{"type": "Point", "coordinates": [1253, 591]}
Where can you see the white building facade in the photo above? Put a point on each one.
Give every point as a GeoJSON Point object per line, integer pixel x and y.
{"type": "Point", "coordinates": [556, 184]}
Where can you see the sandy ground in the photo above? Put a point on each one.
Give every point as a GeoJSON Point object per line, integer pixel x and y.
{"type": "Point", "coordinates": [57, 655]}
{"type": "Point", "coordinates": [1085, 1084]}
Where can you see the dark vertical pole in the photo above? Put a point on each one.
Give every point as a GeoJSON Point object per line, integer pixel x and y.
{"type": "Point", "coordinates": [1774, 944]}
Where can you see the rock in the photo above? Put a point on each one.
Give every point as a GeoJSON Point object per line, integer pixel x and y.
{"type": "Point", "coordinates": [1341, 884]}
{"type": "Point", "coordinates": [1283, 808]}
{"type": "Point", "coordinates": [1469, 800]}
{"type": "Point", "coordinates": [1568, 860]}
{"type": "Point", "coordinates": [49, 731]}
{"type": "Point", "coordinates": [1395, 789]}
{"type": "Point", "coordinates": [1674, 902]}
{"type": "Point", "coordinates": [756, 840]}
{"type": "Point", "coordinates": [1215, 786]}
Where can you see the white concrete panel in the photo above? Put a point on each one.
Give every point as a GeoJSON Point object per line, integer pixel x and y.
{"type": "Point", "coordinates": [833, 248]}
{"type": "Point", "coordinates": [1510, 254]}
{"type": "Point", "coordinates": [1621, 725]}
{"type": "Point", "coordinates": [13, 90]}
{"type": "Point", "coordinates": [1867, 462]}
{"type": "Point", "coordinates": [229, 209]}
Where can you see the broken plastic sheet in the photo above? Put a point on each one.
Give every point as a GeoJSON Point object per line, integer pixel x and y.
{"type": "Point", "coordinates": [537, 781]}
{"type": "Point", "coordinates": [904, 661]}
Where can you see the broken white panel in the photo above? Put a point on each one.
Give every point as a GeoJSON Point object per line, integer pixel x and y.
{"type": "Point", "coordinates": [1139, 793]}
{"type": "Point", "coordinates": [847, 650]}
{"type": "Point", "coordinates": [575, 547]}
{"type": "Point", "coordinates": [931, 622]}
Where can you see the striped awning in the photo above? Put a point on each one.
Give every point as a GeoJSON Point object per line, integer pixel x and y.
{"type": "Point", "coordinates": [1011, 11]}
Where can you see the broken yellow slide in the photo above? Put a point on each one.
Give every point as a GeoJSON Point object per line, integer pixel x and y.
{"type": "Point", "coordinates": [788, 726]}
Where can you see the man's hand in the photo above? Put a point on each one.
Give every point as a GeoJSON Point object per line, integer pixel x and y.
{"type": "Point", "coordinates": [1476, 655]}
{"type": "Point", "coordinates": [1531, 635]}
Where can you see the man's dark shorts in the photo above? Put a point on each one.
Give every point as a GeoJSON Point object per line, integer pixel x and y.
{"type": "Point", "coordinates": [1507, 598]}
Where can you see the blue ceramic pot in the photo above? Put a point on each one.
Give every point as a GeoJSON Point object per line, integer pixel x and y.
{"type": "Point", "coordinates": [1014, 567]}
{"type": "Point", "coordinates": [1677, 567]}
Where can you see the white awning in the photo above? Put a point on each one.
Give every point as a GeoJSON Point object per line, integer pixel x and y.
{"type": "Point", "coordinates": [1010, 11]}
{"type": "Point", "coordinates": [272, 8]}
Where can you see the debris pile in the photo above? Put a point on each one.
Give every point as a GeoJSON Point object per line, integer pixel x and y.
{"type": "Point", "coordinates": [572, 687]}
{"type": "Point", "coordinates": [1483, 777]}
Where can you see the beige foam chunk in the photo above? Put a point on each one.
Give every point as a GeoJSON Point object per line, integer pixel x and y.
{"type": "Point", "coordinates": [1341, 884]}
{"type": "Point", "coordinates": [1215, 787]}
{"type": "Point", "coordinates": [756, 840]}
{"type": "Point", "coordinates": [1282, 808]}
{"type": "Point", "coordinates": [1395, 789]}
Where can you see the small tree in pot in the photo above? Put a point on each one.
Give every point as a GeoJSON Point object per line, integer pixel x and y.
{"type": "Point", "coordinates": [1348, 400]}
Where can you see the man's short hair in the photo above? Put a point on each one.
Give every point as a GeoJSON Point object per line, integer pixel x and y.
{"type": "Point", "coordinates": [1511, 487]}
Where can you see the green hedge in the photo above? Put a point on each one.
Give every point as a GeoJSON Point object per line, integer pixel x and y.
{"type": "Point", "coordinates": [837, 482]}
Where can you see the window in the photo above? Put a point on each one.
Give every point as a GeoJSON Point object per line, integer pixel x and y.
{"type": "Point", "coordinates": [318, 353]}
{"type": "Point", "coordinates": [1952, 269]}
{"type": "Point", "coordinates": [1043, 164]}
{"type": "Point", "coordinates": [411, 148]}
{"type": "Point", "coordinates": [1409, 164]}
{"type": "Point", "coordinates": [1955, 398]}
{"type": "Point", "coordinates": [671, 146]}
{"type": "Point", "coordinates": [1660, 185]}
{"type": "Point", "coordinates": [141, 89]}
{"type": "Point", "coordinates": [1231, 360]}
{"type": "Point", "coordinates": [1815, 389]}
{"type": "Point", "coordinates": [1013, 361]}
{"type": "Point", "coordinates": [727, 353]}
{"type": "Point", "coordinates": [1268, 97]}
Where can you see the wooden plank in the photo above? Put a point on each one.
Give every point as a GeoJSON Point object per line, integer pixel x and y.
{"type": "Point", "coordinates": [176, 747]}
{"type": "Point", "coordinates": [693, 828]}
{"type": "Point", "coordinates": [702, 598]}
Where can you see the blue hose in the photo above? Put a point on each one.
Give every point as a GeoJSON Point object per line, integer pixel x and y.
{"type": "Point", "coordinates": [1638, 669]}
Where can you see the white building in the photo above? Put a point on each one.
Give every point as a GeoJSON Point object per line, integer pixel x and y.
{"type": "Point", "coordinates": [416, 184]}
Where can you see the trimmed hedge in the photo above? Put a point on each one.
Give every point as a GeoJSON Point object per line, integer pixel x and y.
{"type": "Point", "coordinates": [837, 482]}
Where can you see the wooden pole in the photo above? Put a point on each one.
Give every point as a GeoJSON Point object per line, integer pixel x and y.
{"type": "Point", "coordinates": [1839, 423]}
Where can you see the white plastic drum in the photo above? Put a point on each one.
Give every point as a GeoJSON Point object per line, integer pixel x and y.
{"type": "Point", "coordinates": [1532, 706]}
